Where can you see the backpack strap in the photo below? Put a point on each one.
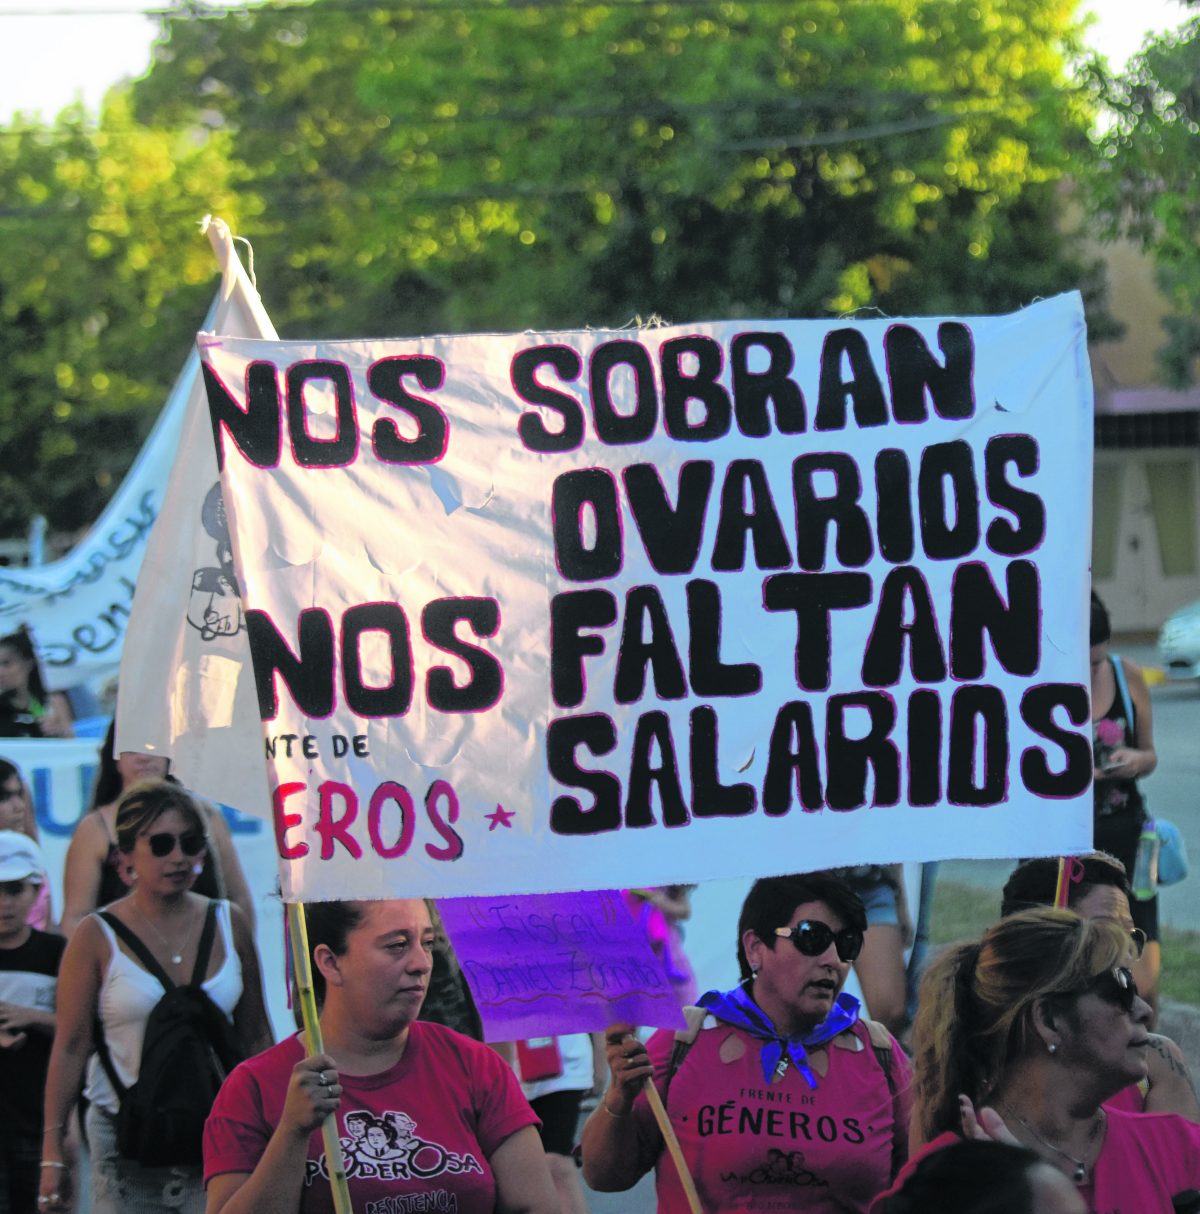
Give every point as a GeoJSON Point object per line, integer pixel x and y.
{"type": "Point", "coordinates": [685, 1038]}
{"type": "Point", "coordinates": [1123, 691]}
{"type": "Point", "coordinates": [106, 1060]}
{"type": "Point", "coordinates": [137, 947]}
{"type": "Point", "coordinates": [881, 1043]}
{"type": "Point", "coordinates": [204, 951]}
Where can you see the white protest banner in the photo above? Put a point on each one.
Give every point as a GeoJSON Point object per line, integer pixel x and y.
{"type": "Point", "coordinates": [78, 608]}
{"type": "Point", "coordinates": [534, 612]}
{"type": "Point", "coordinates": [186, 689]}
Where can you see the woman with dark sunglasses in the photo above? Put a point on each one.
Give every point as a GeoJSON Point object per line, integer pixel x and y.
{"type": "Point", "coordinates": [161, 834]}
{"type": "Point", "coordinates": [1036, 1026]}
{"type": "Point", "coordinates": [1098, 889]}
{"type": "Point", "coordinates": [785, 1099]}
{"type": "Point", "coordinates": [95, 871]}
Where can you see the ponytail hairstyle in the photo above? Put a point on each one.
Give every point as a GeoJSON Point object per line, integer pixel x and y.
{"type": "Point", "coordinates": [975, 1018]}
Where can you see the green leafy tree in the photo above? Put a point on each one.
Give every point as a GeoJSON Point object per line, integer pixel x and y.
{"type": "Point", "coordinates": [502, 165]}
{"type": "Point", "coordinates": [1146, 183]}
{"type": "Point", "coordinates": [102, 286]}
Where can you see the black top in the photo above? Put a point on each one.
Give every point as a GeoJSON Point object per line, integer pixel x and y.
{"type": "Point", "coordinates": [28, 977]}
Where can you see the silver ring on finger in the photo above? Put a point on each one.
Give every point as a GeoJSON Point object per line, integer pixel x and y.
{"type": "Point", "coordinates": [323, 1079]}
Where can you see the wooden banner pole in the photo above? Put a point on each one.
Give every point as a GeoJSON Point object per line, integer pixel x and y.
{"type": "Point", "coordinates": [673, 1147]}
{"type": "Point", "coordinates": [302, 968]}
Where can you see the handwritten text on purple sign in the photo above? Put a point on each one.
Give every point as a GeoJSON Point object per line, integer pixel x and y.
{"type": "Point", "coordinates": [558, 963]}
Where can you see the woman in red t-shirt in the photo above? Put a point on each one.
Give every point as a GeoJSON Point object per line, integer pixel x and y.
{"type": "Point", "coordinates": [427, 1118]}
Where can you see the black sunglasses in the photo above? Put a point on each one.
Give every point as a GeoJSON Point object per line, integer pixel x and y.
{"type": "Point", "coordinates": [812, 937]}
{"type": "Point", "coordinates": [191, 843]}
{"type": "Point", "coordinates": [1116, 986]}
{"type": "Point", "coordinates": [1139, 940]}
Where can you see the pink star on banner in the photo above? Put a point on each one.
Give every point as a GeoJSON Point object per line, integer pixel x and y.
{"type": "Point", "coordinates": [500, 817]}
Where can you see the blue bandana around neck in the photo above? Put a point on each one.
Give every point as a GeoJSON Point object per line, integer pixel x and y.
{"type": "Point", "coordinates": [737, 1008]}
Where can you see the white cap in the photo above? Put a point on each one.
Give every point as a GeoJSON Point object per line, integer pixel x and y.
{"type": "Point", "coordinates": [20, 858]}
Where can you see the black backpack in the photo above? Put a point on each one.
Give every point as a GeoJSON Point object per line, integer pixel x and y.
{"type": "Point", "coordinates": [188, 1049]}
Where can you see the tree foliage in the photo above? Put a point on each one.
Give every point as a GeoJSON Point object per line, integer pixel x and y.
{"type": "Point", "coordinates": [1146, 182]}
{"type": "Point", "coordinates": [102, 285]}
{"type": "Point", "coordinates": [558, 164]}
{"type": "Point", "coordinates": [503, 165]}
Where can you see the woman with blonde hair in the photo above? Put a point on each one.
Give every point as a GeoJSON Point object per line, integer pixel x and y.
{"type": "Point", "coordinates": [1041, 1022]}
{"type": "Point", "coordinates": [96, 872]}
{"type": "Point", "coordinates": [111, 980]}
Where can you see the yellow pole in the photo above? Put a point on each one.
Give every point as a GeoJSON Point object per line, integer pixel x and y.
{"type": "Point", "coordinates": [673, 1148]}
{"type": "Point", "coordinates": [301, 966]}
{"type": "Point", "coordinates": [1062, 889]}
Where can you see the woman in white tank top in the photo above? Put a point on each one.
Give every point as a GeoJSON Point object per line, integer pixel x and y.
{"type": "Point", "coordinates": [160, 830]}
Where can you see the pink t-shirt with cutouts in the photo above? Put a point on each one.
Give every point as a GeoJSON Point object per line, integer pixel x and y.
{"type": "Point", "coordinates": [776, 1148]}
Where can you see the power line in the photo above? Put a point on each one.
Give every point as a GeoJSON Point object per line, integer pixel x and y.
{"type": "Point", "coordinates": [650, 110]}
{"type": "Point", "coordinates": [196, 11]}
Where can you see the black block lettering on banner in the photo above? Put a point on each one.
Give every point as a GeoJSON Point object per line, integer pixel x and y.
{"type": "Point", "coordinates": [851, 756]}
{"type": "Point", "coordinates": [576, 495]}
{"type": "Point", "coordinates": [1028, 527]}
{"type": "Point", "coordinates": [753, 391]}
{"type": "Point", "coordinates": [924, 747]}
{"type": "Point", "coordinates": [1012, 627]}
{"type": "Point", "coordinates": [570, 613]}
{"type": "Point", "coordinates": [613, 427]}
{"type": "Point", "coordinates": [671, 535]}
{"type": "Point", "coordinates": [813, 597]}
{"type": "Point", "coordinates": [747, 509]}
{"type": "Point", "coordinates": [254, 429]}
{"type": "Point", "coordinates": [894, 510]}
{"type": "Point", "coordinates": [531, 428]}
{"type": "Point", "coordinates": [342, 448]}
{"type": "Point", "coordinates": [710, 797]}
{"type": "Point", "coordinates": [658, 652]}
{"type": "Point", "coordinates": [904, 595]}
{"type": "Point", "coordinates": [395, 699]}
{"type": "Point", "coordinates": [709, 675]}
{"type": "Point", "coordinates": [679, 388]}
{"type": "Point", "coordinates": [945, 538]}
{"type": "Point", "coordinates": [653, 734]}
{"type": "Point", "coordinates": [847, 349]}
{"type": "Point", "coordinates": [1038, 708]}
{"type": "Point", "coordinates": [308, 674]}
{"type": "Point", "coordinates": [815, 514]}
{"type": "Point", "coordinates": [978, 710]}
{"type": "Point", "coordinates": [564, 736]}
{"type": "Point", "coordinates": [793, 761]}
{"type": "Point", "coordinates": [439, 623]}
{"type": "Point", "coordinates": [386, 380]}
{"type": "Point", "coordinates": [913, 372]}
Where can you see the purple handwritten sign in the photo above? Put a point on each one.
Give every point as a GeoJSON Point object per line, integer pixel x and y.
{"type": "Point", "coordinates": [542, 964]}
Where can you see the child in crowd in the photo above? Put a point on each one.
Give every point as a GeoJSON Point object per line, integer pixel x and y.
{"type": "Point", "coordinates": [29, 961]}
{"type": "Point", "coordinates": [16, 813]}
